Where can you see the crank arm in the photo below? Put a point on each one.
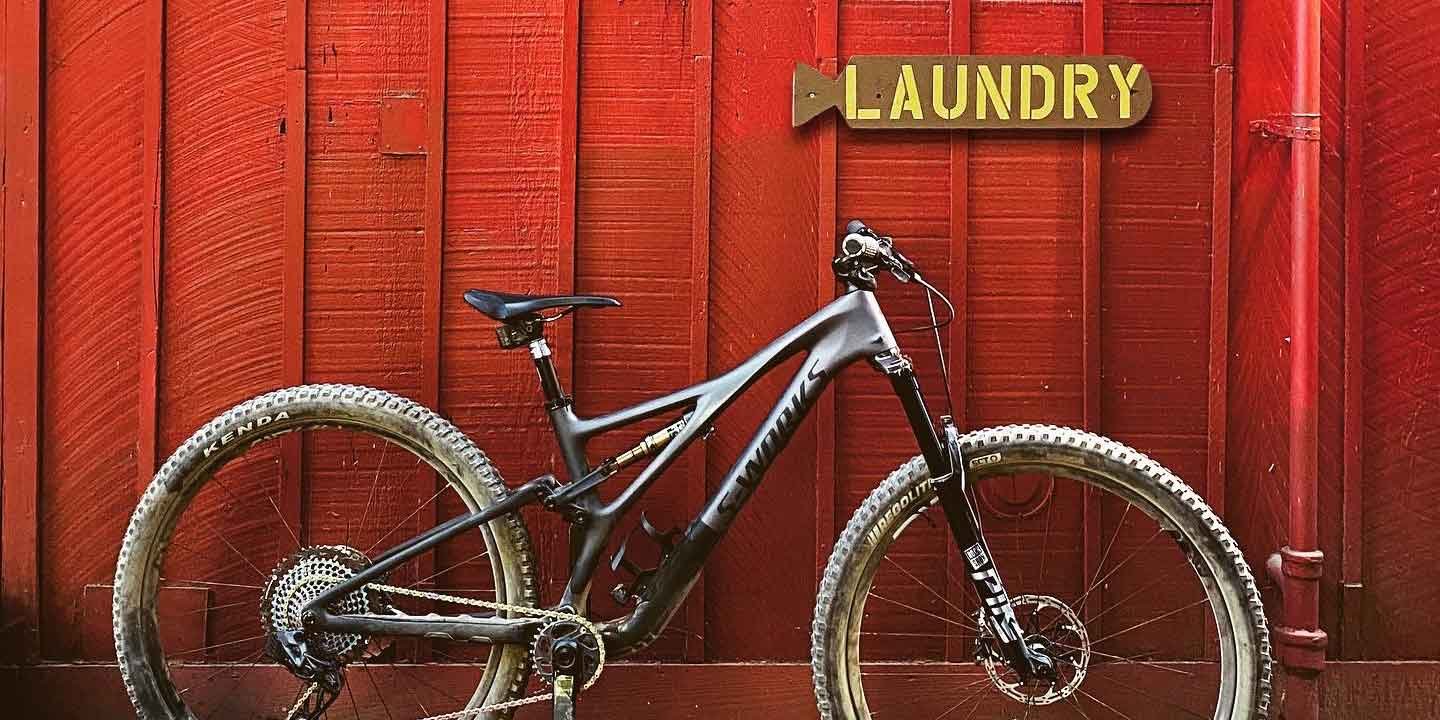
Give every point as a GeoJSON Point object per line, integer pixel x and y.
{"type": "Point", "coordinates": [957, 499]}
{"type": "Point", "coordinates": [460, 628]}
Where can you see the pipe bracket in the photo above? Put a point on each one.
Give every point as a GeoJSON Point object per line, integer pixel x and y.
{"type": "Point", "coordinates": [1297, 127]}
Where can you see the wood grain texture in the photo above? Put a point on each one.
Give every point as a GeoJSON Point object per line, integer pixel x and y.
{"type": "Point", "coordinates": [900, 184]}
{"type": "Point", "coordinates": [502, 194]}
{"type": "Point", "coordinates": [20, 433]}
{"type": "Point", "coordinates": [94, 213]}
{"type": "Point", "coordinates": [1256, 446]}
{"type": "Point", "coordinates": [218, 221]}
{"type": "Point", "coordinates": [1400, 377]}
{"type": "Point", "coordinates": [636, 242]}
{"type": "Point", "coordinates": [763, 243]}
{"type": "Point", "coordinates": [1353, 691]}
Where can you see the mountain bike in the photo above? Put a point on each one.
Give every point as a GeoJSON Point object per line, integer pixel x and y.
{"type": "Point", "coordinates": [1135, 602]}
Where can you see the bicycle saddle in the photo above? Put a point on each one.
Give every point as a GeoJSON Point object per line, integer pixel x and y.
{"type": "Point", "coordinates": [509, 307]}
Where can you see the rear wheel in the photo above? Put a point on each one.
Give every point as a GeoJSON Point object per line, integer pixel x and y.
{"type": "Point", "coordinates": [1115, 567]}
{"type": "Point", "coordinates": [216, 561]}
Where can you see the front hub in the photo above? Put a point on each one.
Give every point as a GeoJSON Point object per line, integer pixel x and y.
{"type": "Point", "coordinates": [1054, 632]}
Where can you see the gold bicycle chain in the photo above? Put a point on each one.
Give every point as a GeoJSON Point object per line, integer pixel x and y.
{"type": "Point", "coordinates": [468, 713]}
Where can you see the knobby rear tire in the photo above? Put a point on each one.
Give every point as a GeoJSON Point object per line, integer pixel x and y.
{"type": "Point", "coordinates": [438, 442]}
{"type": "Point", "coordinates": [1118, 468]}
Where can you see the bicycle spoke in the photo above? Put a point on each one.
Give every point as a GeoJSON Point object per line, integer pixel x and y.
{"type": "Point", "coordinates": [1187, 711]}
{"type": "Point", "coordinates": [213, 584]}
{"type": "Point", "coordinates": [227, 668]}
{"type": "Point", "coordinates": [1122, 658]}
{"type": "Point", "coordinates": [220, 645]}
{"type": "Point", "coordinates": [1079, 603]}
{"type": "Point", "coordinates": [436, 574]}
{"type": "Point", "coordinates": [1045, 542]}
{"type": "Point", "coordinates": [406, 519]}
{"type": "Point", "coordinates": [1076, 704]}
{"type": "Point", "coordinates": [1157, 618]}
{"type": "Point", "coordinates": [221, 537]}
{"type": "Point", "coordinates": [966, 699]}
{"type": "Point", "coordinates": [283, 521]}
{"type": "Point", "coordinates": [355, 706]}
{"type": "Point", "coordinates": [923, 612]}
{"type": "Point", "coordinates": [370, 676]}
{"type": "Point", "coordinates": [374, 484]}
{"type": "Point", "coordinates": [1094, 582]}
{"type": "Point", "coordinates": [1102, 703]}
{"type": "Point", "coordinates": [1129, 597]}
{"type": "Point", "coordinates": [922, 584]}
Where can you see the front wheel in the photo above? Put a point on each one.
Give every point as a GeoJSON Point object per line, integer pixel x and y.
{"type": "Point", "coordinates": [1115, 567]}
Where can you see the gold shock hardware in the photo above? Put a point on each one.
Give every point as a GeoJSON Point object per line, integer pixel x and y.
{"type": "Point", "coordinates": [651, 444]}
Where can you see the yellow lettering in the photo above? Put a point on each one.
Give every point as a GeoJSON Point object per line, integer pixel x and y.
{"type": "Point", "coordinates": [987, 91]}
{"type": "Point", "coordinates": [1047, 103]}
{"type": "Point", "coordinates": [853, 111]}
{"type": "Point", "coordinates": [937, 91]}
{"type": "Point", "coordinates": [1080, 91]}
{"type": "Point", "coordinates": [1125, 83]}
{"type": "Point", "coordinates": [907, 96]}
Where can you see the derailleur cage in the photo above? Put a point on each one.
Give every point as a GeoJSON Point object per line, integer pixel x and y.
{"type": "Point", "coordinates": [640, 583]}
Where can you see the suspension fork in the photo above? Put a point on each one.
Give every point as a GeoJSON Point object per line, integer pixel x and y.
{"type": "Point", "coordinates": [942, 454]}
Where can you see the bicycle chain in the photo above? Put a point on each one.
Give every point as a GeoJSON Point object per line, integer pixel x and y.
{"type": "Point", "coordinates": [579, 620]}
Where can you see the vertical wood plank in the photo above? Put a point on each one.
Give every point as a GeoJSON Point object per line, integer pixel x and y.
{"type": "Point", "coordinates": [1222, 58]}
{"type": "Point", "coordinates": [702, 53]}
{"type": "Point", "coordinates": [152, 156]}
{"type": "Point", "coordinates": [1093, 19]}
{"type": "Point", "coordinates": [292, 288]}
{"type": "Point", "coordinates": [434, 205]}
{"type": "Point", "coordinates": [20, 397]}
{"type": "Point", "coordinates": [569, 144]}
{"type": "Point", "coordinates": [434, 260]}
{"type": "Point", "coordinates": [1352, 552]}
{"type": "Point", "coordinates": [956, 646]}
{"type": "Point", "coordinates": [827, 28]}
{"type": "Point", "coordinates": [1094, 23]}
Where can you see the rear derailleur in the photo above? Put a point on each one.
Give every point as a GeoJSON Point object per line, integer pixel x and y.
{"type": "Point", "coordinates": [326, 678]}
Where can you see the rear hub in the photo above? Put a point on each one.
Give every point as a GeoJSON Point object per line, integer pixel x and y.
{"type": "Point", "coordinates": [295, 583]}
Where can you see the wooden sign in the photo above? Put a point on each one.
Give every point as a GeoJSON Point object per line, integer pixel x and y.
{"type": "Point", "coordinates": [978, 91]}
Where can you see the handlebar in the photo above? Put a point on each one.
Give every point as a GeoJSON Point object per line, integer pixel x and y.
{"type": "Point", "coordinates": [863, 250]}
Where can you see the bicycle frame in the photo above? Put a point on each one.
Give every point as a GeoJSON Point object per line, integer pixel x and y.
{"type": "Point", "coordinates": [849, 328]}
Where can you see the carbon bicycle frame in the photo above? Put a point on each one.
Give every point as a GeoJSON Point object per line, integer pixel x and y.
{"type": "Point", "coordinates": [849, 328]}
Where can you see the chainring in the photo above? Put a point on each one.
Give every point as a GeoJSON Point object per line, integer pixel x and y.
{"type": "Point", "coordinates": [541, 650]}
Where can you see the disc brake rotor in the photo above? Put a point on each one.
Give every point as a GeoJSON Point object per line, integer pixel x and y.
{"type": "Point", "coordinates": [1056, 629]}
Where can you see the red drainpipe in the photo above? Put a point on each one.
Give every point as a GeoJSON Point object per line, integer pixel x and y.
{"type": "Point", "coordinates": [1301, 641]}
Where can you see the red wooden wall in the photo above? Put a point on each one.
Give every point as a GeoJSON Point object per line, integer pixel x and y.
{"type": "Point", "coordinates": [198, 208]}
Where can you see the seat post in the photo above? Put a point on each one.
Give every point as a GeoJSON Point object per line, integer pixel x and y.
{"type": "Point", "coordinates": [555, 396]}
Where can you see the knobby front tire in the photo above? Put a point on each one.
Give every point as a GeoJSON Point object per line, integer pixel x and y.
{"type": "Point", "coordinates": [376, 423]}
{"type": "Point", "coordinates": [911, 647]}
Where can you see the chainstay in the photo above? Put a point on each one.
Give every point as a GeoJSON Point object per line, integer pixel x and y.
{"type": "Point", "coordinates": [579, 620]}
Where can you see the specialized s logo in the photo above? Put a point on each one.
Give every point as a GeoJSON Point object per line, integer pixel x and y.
{"type": "Point", "coordinates": [774, 441]}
